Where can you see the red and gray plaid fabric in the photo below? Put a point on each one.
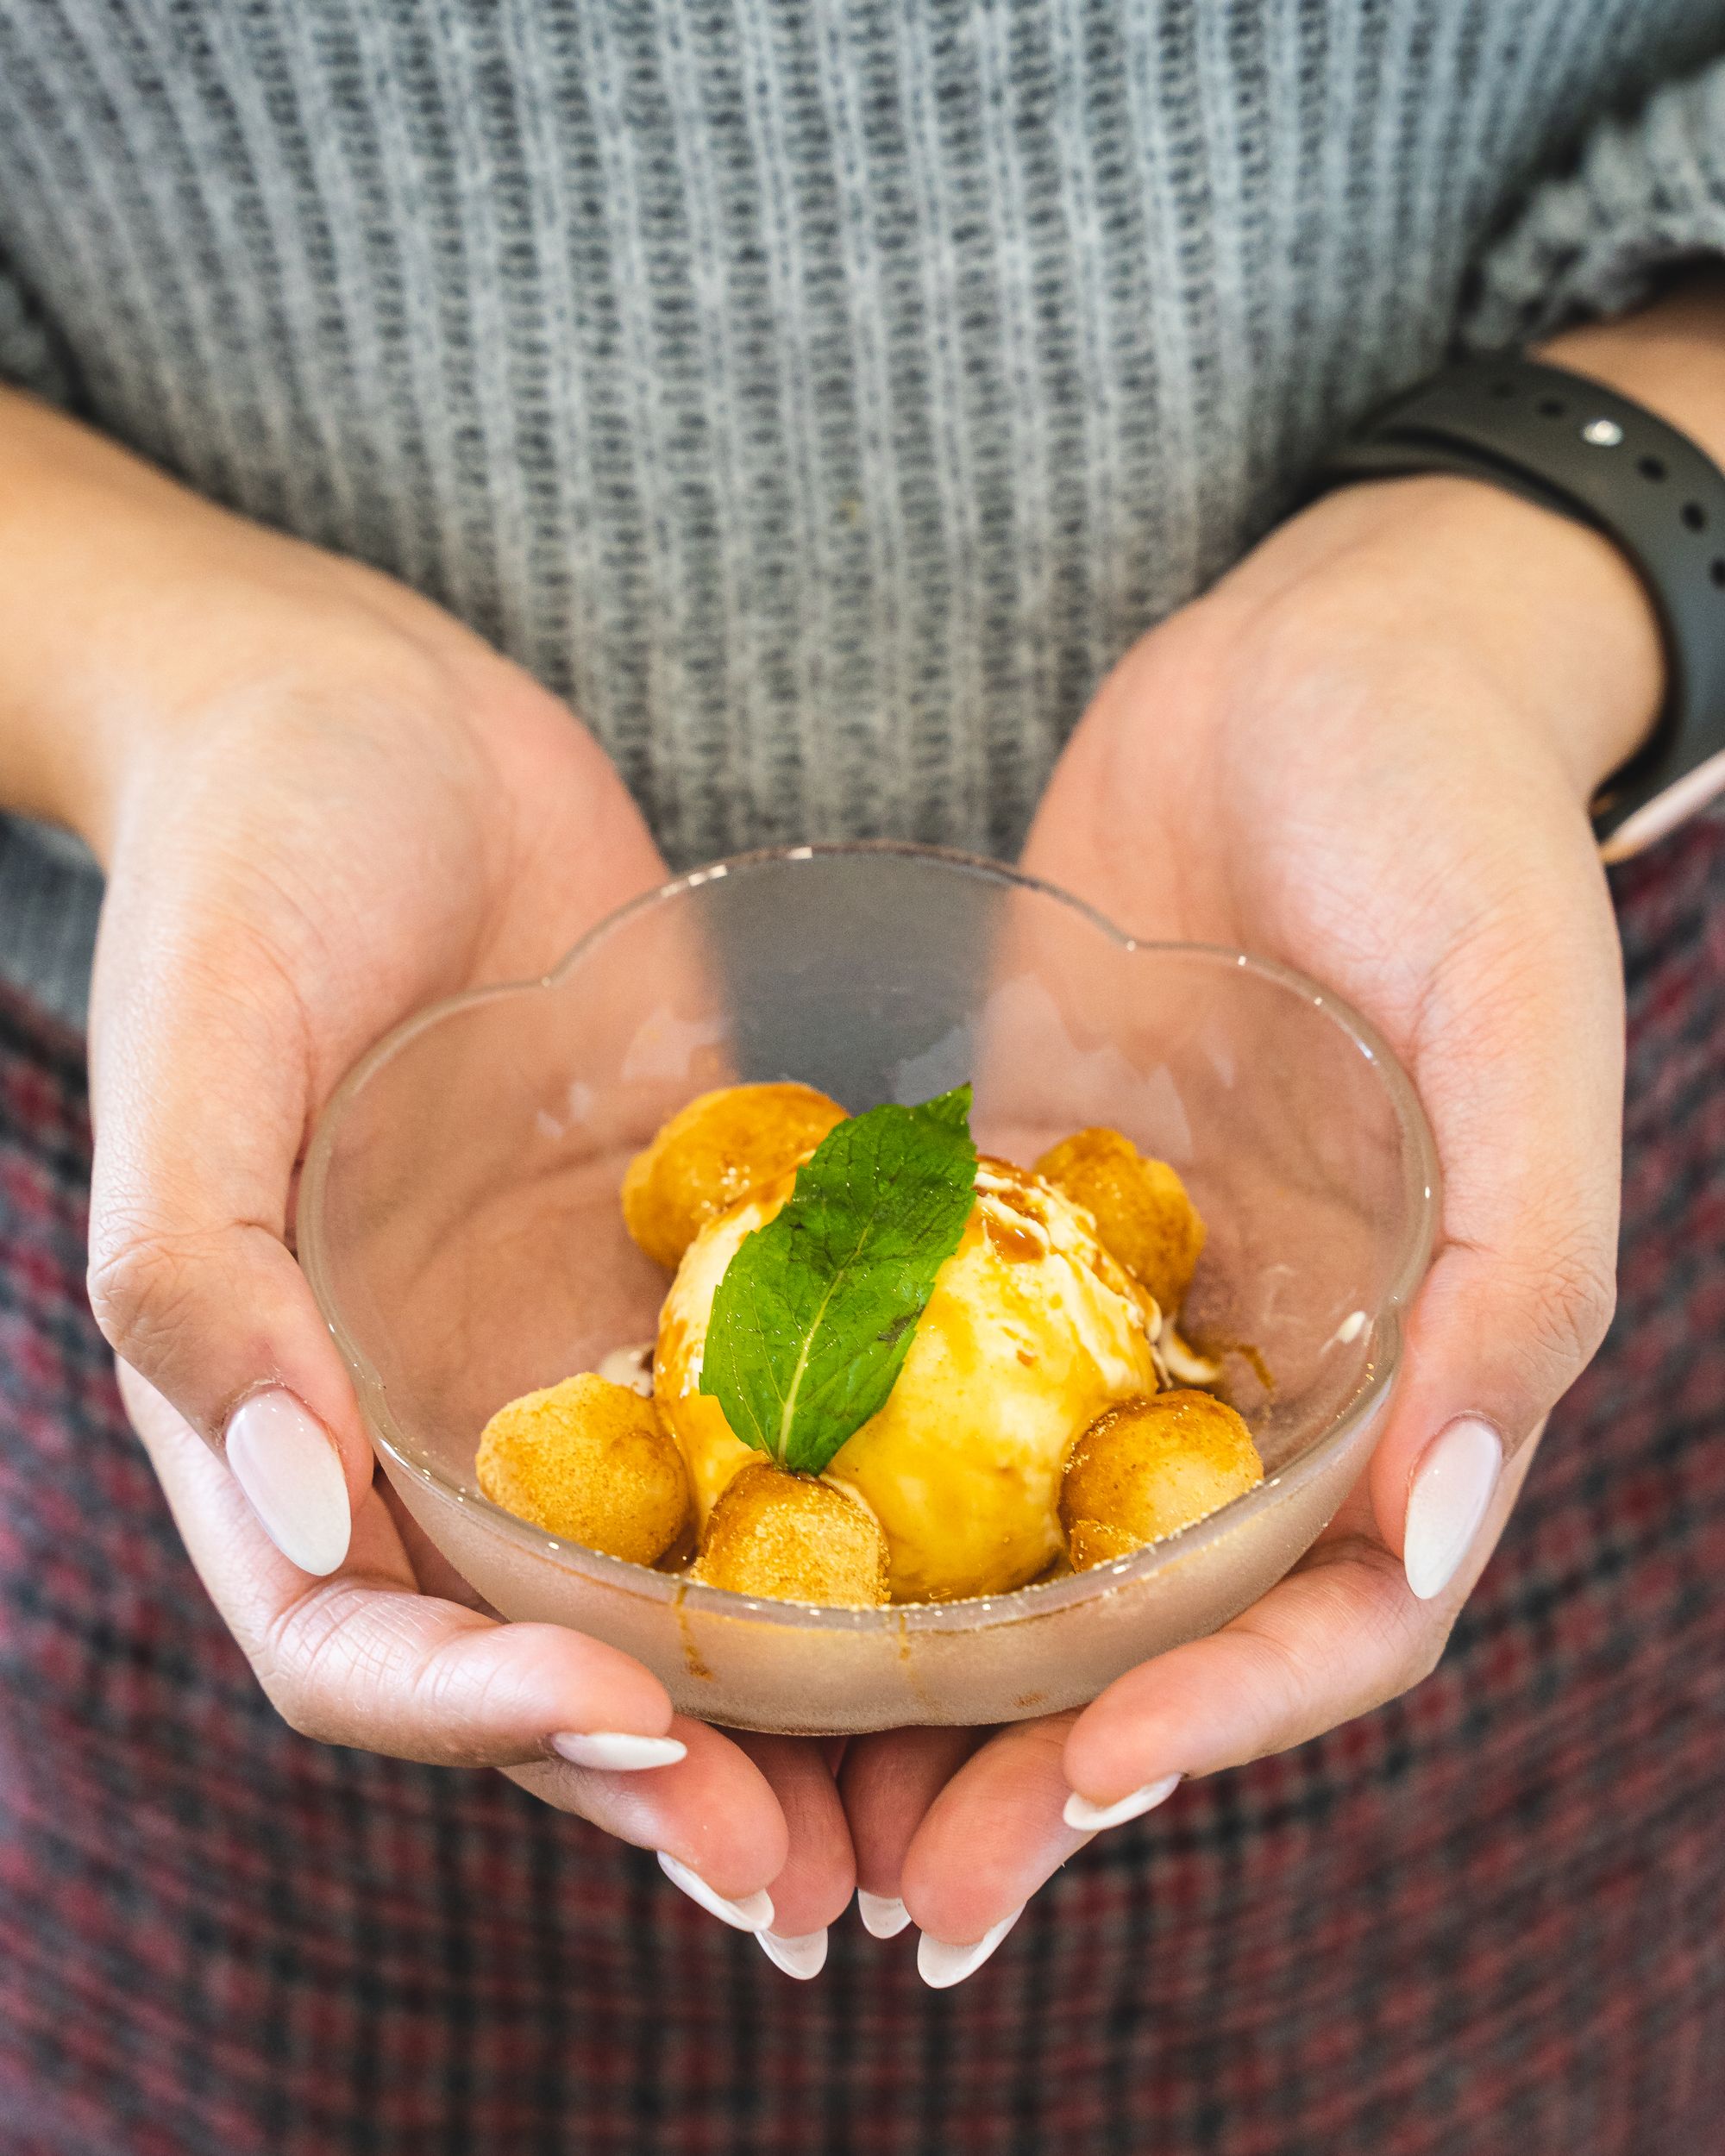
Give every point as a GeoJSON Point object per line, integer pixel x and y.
{"type": "Point", "coordinates": [1489, 1918]}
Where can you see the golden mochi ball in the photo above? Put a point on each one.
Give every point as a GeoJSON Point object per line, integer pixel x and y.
{"type": "Point", "coordinates": [1031, 1329]}
{"type": "Point", "coordinates": [714, 1151]}
{"type": "Point", "coordinates": [1147, 1468]}
{"type": "Point", "coordinates": [793, 1537]}
{"type": "Point", "coordinates": [589, 1461]}
{"type": "Point", "coordinates": [1140, 1208]}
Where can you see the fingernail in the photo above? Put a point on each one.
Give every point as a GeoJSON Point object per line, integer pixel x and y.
{"type": "Point", "coordinates": [615, 1751]}
{"type": "Point", "coordinates": [941, 1964]}
{"type": "Point", "coordinates": [1090, 1818]}
{"type": "Point", "coordinates": [1451, 1494]}
{"type": "Point", "coordinates": [753, 1913]}
{"type": "Point", "coordinates": [286, 1462]}
{"type": "Point", "coordinates": [803, 1957]}
{"type": "Point", "coordinates": [884, 1916]}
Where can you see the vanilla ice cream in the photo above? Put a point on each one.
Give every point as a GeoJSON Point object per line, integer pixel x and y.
{"type": "Point", "coordinates": [1033, 1329]}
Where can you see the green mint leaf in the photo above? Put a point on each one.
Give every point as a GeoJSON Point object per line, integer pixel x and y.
{"type": "Point", "coordinates": [817, 1310]}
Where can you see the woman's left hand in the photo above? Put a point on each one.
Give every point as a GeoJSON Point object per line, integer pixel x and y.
{"type": "Point", "coordinates": [1368, 752]}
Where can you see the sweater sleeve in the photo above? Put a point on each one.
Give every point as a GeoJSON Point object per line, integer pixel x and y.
{"type": "Point", "coordinates": [1647, 194]}
{"type": "Point", "coordinates": [49, 887]}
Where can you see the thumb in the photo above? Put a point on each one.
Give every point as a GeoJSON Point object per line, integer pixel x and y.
{"type": "Point", "coordinates": [1520, 1064]}
{"type": "Point", "coordinates": [202, 1066]}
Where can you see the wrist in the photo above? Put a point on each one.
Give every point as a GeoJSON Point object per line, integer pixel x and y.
{"type": "Point", "coordinates": [1552, 614]}
{"type": "Point", "coordinates": [1544, 611]}
{"type": "Point", "coordinates": [136, 618]}
{"type": "Point", "coordinates": [1669, 356]}
{"type": "Point", "coordinates": [81, 531]}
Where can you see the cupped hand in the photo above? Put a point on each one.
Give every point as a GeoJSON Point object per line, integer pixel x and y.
{"type": "Point", "coordinates": [321, 803]}
{"type": "Point", "coordinates": [1367, 753]}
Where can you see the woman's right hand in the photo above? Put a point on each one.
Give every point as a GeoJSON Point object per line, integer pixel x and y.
{"type": "Point", "coordinates": [321, 802]}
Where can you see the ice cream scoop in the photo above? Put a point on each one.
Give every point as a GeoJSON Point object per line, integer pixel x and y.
{"type": "Point", "coordinates": [1031, 1331]}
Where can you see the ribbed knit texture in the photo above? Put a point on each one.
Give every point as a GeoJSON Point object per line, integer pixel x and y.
{"type": "Point", "coordinates": [820, 397]}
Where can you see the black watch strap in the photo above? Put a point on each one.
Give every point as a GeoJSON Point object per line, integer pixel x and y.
{"type": "Point", "coordinates": [1573, 445]}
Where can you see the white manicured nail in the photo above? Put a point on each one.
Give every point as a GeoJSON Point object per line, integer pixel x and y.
{"type": "Point", "coordinates": [1090, 1819]}
{"type": "Point", "coordinates": [286, 1462]}
{"type": "Point", "coordinates": [616, 1752]}
{"type": "Point", "coordinates": [940, 1964]}
{"type": "Point", "coordinates": [753, 1913]}
{"type": "Point", "coordinates": [884, 1916]}
{"type": "Point", "coordinates": [1450, 1496]}
{"type": "Point", "coordinates": [805, 1956]}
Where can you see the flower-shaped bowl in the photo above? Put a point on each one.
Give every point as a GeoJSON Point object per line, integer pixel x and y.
{"type": "Point", "coordinates": [459, 1221]}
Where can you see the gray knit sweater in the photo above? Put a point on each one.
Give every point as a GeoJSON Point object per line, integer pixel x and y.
{"type": "Point", "coordinates": [818, 393]}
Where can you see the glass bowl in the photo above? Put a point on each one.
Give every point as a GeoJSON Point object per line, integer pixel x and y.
{"type": "Point", "coordinates": [458, 1222]}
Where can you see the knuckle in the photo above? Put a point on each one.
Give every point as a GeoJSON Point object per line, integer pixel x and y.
{"type": "Point", "coordinates": [310, 1661]}
{"type": "Point", "coordinates": [1412, 1659]}
{"type": "Point", "coordinates": [1413, 1652]}
{"type": "Point", "coordinates": [1360, 1590]}
{"type": "Point", "coordinates": [1410, 1639]}
{"type": "Point", "coordinates": [352, 1662]}
{"type": "Point", "coordinates": [1428, 1650]}
{"type": "Point", "coordinates": [142, 1286]}
{"type": "Point", "coordinates": [299, 1708]}
{"type": "Point", "coordinates": [1580, 1302]}
{"type": "Point", "coordinates": [296, 1696]}
{"type": "Point", "coordinates": [1566, 1309]}
{"type": "Point", "coordinates": [290, 1687]}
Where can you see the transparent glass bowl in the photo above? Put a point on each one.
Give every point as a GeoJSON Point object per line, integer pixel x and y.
{"type": "Point", "coordinates": [460, 1225]}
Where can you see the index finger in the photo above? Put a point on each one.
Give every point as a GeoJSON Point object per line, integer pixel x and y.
{"type": "Point", "coordinates": [1342, 1633]}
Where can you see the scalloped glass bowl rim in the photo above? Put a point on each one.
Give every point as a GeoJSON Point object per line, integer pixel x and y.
{"type": "Point", "coordinates": [968, 1614]}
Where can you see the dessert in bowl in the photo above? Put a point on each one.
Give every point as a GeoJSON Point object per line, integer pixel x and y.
{"type": "Point", "coordinates": [1054, 1478]}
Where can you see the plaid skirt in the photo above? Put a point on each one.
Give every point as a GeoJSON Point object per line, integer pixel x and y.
{"type": "Point", "coordinates": [1491, 1917]}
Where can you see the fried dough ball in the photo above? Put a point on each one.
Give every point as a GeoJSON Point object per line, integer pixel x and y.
{"type": "Point", "coordinates": [714, 1151]}
{"type": "Point", "coordinates": [1147, 1468]}
{"type": "Point", "coordinates": [589, 1461]}
{"type": "Point", "coordinates": [1140, 1207]}
{"type": "Point", "coordinates": [794, 1537]}
{"type": "Point", "coordinates": [1091, 1543]}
